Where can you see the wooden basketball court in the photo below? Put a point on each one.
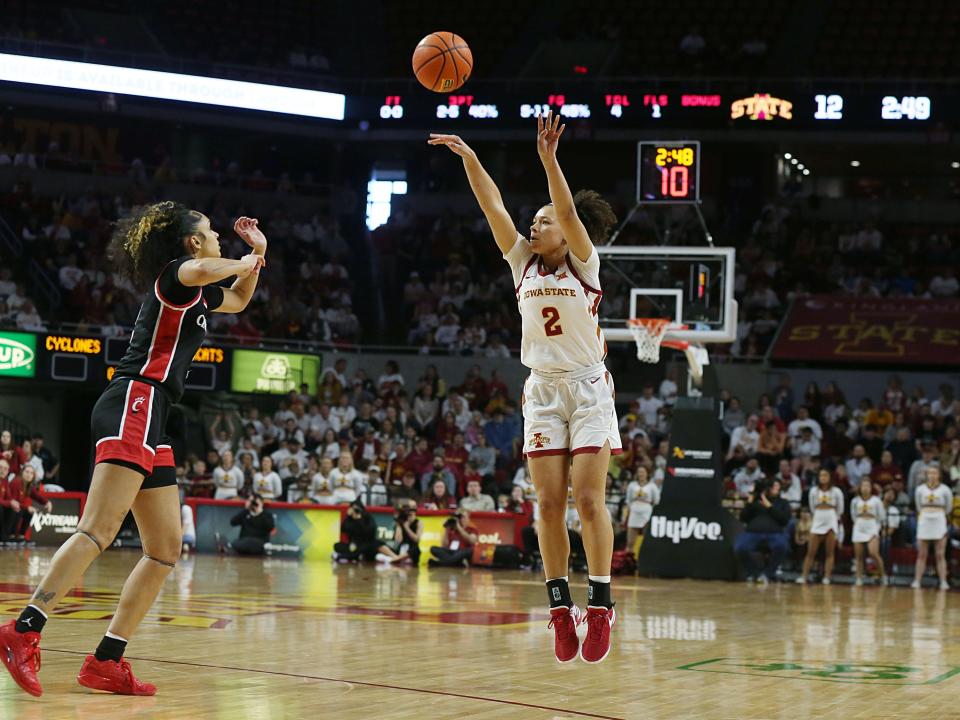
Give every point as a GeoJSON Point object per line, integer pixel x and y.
{"type": "Point", "coordinates": [245, 638]}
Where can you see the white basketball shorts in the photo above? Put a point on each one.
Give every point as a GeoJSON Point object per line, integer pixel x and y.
{"type": "Point", "coordinates": [570, 413]}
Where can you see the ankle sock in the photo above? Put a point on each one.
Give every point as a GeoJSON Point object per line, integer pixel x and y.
{"type": "Point", "coordinates": [558, 592]}
{"type": "Point", "coordinates": [111, 648]}
{"type": "Point", "coordinates": [32, 619]}
{"type": "Point", "coordinates": [598, 591]}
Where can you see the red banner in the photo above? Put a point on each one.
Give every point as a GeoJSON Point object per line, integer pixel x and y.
{"type": "Point", "coordinates": [907, 331]}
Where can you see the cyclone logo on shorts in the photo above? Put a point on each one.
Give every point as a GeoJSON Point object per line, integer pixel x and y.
{"type": "Point", "coordinates": [539, 440]}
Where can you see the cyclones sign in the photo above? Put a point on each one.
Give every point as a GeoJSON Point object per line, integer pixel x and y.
{"type": "Point", "coordinates": [908, 331]}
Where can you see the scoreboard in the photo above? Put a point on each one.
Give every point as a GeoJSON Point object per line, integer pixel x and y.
{"type": "Point", "coordinates": [75, 358]}
{"type": "Point", "coordinates": [63, 357]}
{"type": "Point", "coordinates": [668, 172]}
{"type": "Point", "coordinates": [92, 360]}
{"type": "Point", "coordinates": [627, 106]}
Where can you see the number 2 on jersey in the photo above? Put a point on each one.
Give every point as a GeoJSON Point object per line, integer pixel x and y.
{"type": "Point", "coordinates": [552, 326]}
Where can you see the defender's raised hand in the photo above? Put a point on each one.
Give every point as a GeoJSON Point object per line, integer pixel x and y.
{"type": "Point", "coordinates": [248, 229]}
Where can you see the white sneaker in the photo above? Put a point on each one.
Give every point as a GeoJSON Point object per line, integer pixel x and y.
{"type": "Point", "coordinates": [383, 558]}
{"type": "Point", "coordinates": [944, 585]}
{"type": "Point", "coordinates": [915, 584]}
{"type": "Point", "coordinates": [763, 580]}
{"type": "Point", "coordinates": [858, 582]}
{"type": "Point", "coordinates": [801, 581]}
{"type": "Point", "coordinates": [825, 581]}
{"type": "Point", "coordinates": [884, 580]}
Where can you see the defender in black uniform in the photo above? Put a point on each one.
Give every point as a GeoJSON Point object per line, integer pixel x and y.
{"type": "Point", "coordinates": [172, 254]}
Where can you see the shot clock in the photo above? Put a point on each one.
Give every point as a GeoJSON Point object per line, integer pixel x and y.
{"type": "Point", "coordinates": [668, 172]}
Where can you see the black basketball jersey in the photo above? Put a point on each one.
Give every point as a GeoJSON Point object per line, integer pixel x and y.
{"type": "Point", "coordinates": [170, 328]}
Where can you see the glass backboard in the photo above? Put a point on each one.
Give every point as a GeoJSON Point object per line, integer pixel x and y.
{"type": "Point", "coordinates": [689, 285]}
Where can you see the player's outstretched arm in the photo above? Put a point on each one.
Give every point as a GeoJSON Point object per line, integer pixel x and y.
{"type": "Point", "coordinates": [549, 131]}
{"type": "Point", "coordinates": [485, 190]}
{"type": "Point", "coordinates": [237, 296]}
{"type": "Point", "coordinates": [206, 271]}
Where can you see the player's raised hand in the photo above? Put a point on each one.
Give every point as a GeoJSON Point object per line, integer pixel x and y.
{"type": "Point", "coordinates": [455, 143]}
{"type": "Point", "coordinates": [247, 229]}
{"type": "Point", "coordinates": [549, 131]}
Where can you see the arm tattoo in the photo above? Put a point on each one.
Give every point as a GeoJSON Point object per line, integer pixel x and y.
{"type": "Point", "coordinates": [42, 596]}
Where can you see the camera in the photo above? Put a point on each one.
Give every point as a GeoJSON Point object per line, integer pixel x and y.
{"type": "Point", "coordinates": [453, 520]}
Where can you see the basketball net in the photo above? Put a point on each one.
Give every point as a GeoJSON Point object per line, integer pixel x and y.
{"type": "Point", "coordinates": [649, 335]}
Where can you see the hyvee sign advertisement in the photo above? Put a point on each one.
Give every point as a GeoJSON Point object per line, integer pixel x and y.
{"type": "Point", "coordinates": [691, 534]}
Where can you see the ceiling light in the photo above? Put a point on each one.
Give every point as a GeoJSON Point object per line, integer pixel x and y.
{"type": "Point", "coordinates": [800, 166]}
{"type": "Point", "coordinates": [794, 161]}
{"type": "Point", "coordinates": [787, 156]}
{"type": "Point", "coordinates": [806, 172]}
{"type": "Point", "coordinates": [955, 164]}
{"type": "Point", "coordinates": [854, 163]}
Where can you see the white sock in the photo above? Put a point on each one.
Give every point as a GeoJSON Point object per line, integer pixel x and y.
{"type": "Point", "coordinates": [565, 578]}
{"type": "Point", "coordinates": [599, 578]}
{"type": "Point", "coordinates": [116, 637]}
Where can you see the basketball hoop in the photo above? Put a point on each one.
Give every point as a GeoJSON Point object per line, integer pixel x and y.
{"type": "Point", "coordinates": [649, 335]}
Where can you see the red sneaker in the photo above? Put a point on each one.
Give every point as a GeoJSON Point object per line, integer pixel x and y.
{"type": "Point", "coordinates": [596, 645]}
{"type": "Point", "coordinates": [564, 622]}
{"type": "Point", "coordinates": [115, 677]}
{"type": "Point", "coordinates": [20, 652]}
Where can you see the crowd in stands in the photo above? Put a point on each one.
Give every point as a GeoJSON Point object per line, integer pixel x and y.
{"type": "Point", "coordinates": [305, 292]}
{"type": "Point", "coordinates": [439, 446]}
{"type": "Point", "coordinates": [891, 442]}
{"type": "Point", "coordinates": [374, 441]}
{"type": "Point", "coordinates": [455, 296]}
{"type": "Point", "coordinates": [789, 254]}
{"type": "Point", "coordinates": [28, 470]}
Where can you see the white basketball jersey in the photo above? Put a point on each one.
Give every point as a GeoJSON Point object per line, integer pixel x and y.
{"type": "Point", "coordinates": [558, 310]}
{"type": "Point", "coordinates": [928, 500]}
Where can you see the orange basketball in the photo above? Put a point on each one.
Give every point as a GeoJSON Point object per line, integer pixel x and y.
{"type": "Point", "coordinates": [442, 61]}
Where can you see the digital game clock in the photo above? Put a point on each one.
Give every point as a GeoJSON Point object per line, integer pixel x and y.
{"type": "Point", "coordinates": [668, 172]}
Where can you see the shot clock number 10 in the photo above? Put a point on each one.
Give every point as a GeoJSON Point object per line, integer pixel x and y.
{"type": "Point", "coordinates": [668, 172]}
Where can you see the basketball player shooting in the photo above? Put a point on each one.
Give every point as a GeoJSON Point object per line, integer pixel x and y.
{"type": "Point", "coordinates": [570, 423]}
{"type": "Point", "coordinates": [173, 256]}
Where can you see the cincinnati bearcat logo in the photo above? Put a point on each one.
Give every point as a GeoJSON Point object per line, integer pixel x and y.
{"type": "Point", "coordinates": [539, 440]}
{"type": "Point", "coordinates": [135, 405]}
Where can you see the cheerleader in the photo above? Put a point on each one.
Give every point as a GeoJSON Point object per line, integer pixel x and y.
{"type": "Point", "coordinates": [642, 494]}
{"type": "Point", "coordinates": [933, 502]}
{"type": "Point", "coordinates": [868, 518]}
{"type": "Point", "coordinates": [826, 504]}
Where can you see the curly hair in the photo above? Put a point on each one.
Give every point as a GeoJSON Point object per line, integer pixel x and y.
{"type": "Point", "coordinates": [145, 242]}
{"type": "Point", "coordinates": [595, 213]}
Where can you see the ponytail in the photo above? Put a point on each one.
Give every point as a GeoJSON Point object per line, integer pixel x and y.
{"type": "Point", "coordinates": [145, 242]}
{"type": "Point", "coordinates": [596, 215]}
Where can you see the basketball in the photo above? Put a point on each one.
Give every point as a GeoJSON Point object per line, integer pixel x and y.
{"type": "Point", "coordinates": [442, 62]}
